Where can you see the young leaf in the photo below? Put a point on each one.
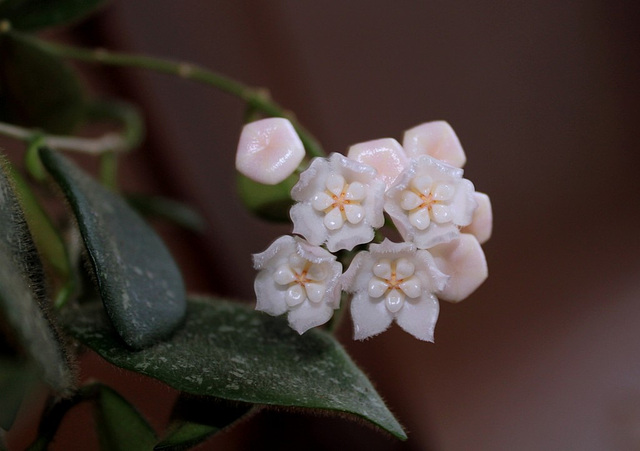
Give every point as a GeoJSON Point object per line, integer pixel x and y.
{"type": "Point", "coordinates": [139, 283]}
{"type": "Point", "coordinates": [37, 14]}
{"type": "Point", "coordinates": [36, 88]}
{"type": "Point", "coordinates": [120, 426]}
{"type": "Point", "coordinates": [195, 419]}
{"type": "Point", "coordinates": [228, 351]}
{"type": "Point", "coordinates": [23, 305]}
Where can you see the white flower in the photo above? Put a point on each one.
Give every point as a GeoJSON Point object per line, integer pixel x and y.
{"type": "Point", "coordinates": [269, 150]}
{"type": "Point", "coordinates": [430, 201]}
{"type": "Point", "coordinates": [300, 278]}
{"type": "Point", "coordinates": [339, 203]}
{"type": "Point", "coordinates": [394, 281]}
{"type": "Point", "coordinates": [464, 262]}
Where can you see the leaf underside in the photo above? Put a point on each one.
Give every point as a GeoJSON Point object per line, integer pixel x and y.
{"type": "Point", "coordinates": [228, 351]}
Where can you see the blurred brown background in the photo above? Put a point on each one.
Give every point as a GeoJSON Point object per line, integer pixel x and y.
{"type": "Point", "coordinates": [544, 98]}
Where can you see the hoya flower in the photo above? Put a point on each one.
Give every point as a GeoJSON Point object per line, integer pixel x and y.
{"type": "Point", "coordinates": [394, 281]}
{"type": "Point", "coordinates": [464, 262]}
{"type": "Point", "coordinates": [269, 150]}
{"type": "Point", "coordinates": [300, 278]}
{"type": "Point", "coordinates": [340, 203]}
{"type": "Point", "coordinates": [430, 201]}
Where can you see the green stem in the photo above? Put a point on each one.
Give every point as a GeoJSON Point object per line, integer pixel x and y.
{"type": "Point", "coordinates": [255, 97]}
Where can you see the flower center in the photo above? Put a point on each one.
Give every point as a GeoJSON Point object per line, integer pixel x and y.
{"type": "Point", "coordinates": [394, 280]}
{"type": "Point", "coordinates": [340, 202]}
{"type": "Point", "coordinates": [304, 279]}
{"type": "Point", "coordinates": [426, 201]}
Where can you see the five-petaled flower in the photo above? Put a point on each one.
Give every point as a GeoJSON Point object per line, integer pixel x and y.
{"type": "Point", "coordinates": [339, 203]}
{"type": "Point", "coordinates": [300, 278]}
{"type": "Point", "coordinates": [394, 281]}
{"type": "Point", "coordinates": [430, 201]}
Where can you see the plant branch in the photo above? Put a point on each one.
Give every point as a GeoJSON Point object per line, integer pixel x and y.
{"type": "Point", "coordinates": [110, 142]}
{"type": "Point", "coordinates": [254, 97]}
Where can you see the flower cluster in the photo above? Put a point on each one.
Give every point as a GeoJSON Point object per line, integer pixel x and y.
{"type": "Point", "coordinates": [341, 202]}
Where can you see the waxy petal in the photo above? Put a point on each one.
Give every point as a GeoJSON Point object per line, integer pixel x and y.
{"type": "Point", "coordinates": [269, 150]}
{"type": "Point", "coordinates": [464, 261]}
{"type": "Point", "coordinates": [385, 155]}
{"type": "Point", "coordinates": [436, 139]}
{"type": "Point", "coordinates": [482, 223]}
{"type": "Point", "coordinates": [369, 318]}
{"type": "Point", "coordinates": [419, 317]}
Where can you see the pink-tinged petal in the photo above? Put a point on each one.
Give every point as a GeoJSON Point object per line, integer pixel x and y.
{"type": "Point", "coordinates": [436, 139]}
{"type": "Point", "coordinates": [269, 150]}
{"type": "Point", "coordinates": [464, 261]}
{"type": "Point", "coordinates": [385, 155]}
{"type": "Point", "coordinates": [309, 315]}
{"type": "Point", "coordinates": [419, 317]}
{"type": "Point", "coordinates": [369, 317]}
{"type": "Point", "coordinates": [464, 203]}
{"type": "Point", "coordinates": [482, 223]}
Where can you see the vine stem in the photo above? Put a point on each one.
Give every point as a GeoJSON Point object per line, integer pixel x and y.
{"type": "Point", "coordinates": [110, 142]}
{"type": "Point", "coordinates": [256, 98]}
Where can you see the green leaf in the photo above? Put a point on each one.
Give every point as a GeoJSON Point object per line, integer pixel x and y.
{"type": "Point", "coordinates": [168, 209]}
{"type": "Point", "coordinates": [16, 378]}
{"type": "Point", "coordinates": [36, 88]}
{"type": "Point", "coordinates": [37, 14]}
{"type": "Point", "coordinates": [270, 202]}
{"type": "Point", "coordinates": [120, 426]}
{"type": "Point", "coordinates": [23, 304]}
{"type": "Point", "coordinates": [195, 419]}
{"type": "Point", "coordinates": [139, 283]}
{"type": "Point", "coordinates": [228, 351]}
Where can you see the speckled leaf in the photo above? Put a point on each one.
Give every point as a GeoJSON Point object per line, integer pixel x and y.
{"type": "Point", "coordinates": [196, 418]}
{"type": "Point", "coordinates": [37, 14]}
{"type": "Point", "coordinates": [23, 303]}
{"type": "Point", "coordinates": [37, 89]}
{"type": "Point", "coordinates": [229, 351]}
{"type": "Point", "coordinates": [139, 283]}
{"type": "Point", "coordinates": [120, 426]}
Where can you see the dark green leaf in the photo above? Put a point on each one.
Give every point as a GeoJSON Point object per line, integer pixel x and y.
{"type": "Point", "coordinates": [37, 14]}
{"type": "Point", "coordinates": [195, 419]}
{"type": "Point", "coordinates": [23, 304]}
{"type": "Point", "coordinates": [171, 210]}
{"type": "Point", "coordinates": [120, 426]}
{"type": "Point", "coordinates": [36, 88]}
{"type": "Point", "coordinates": [16, 378]}
{"type": "Point", "coordinates": [228, 351]}
{"type": "Point", "coordinates": [270, 202]}
{"type": "Point", "coordinates": [140, 285]}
